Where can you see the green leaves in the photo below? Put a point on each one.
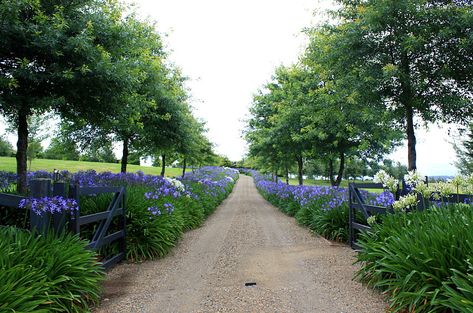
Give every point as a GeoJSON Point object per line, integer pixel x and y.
{"type": "Point", "coordinates": [46, 274]}
{"type": "Point", "coordinates": [421, 260]}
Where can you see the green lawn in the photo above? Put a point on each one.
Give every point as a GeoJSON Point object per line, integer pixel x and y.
{"type": "Point", "coordinates": [9, 164]}
{"type": "Point", "coordinates": [319, 182]}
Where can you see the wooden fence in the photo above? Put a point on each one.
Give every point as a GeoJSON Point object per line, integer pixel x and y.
{"type": "Point", "coordinates": [64, 221]}
{"type": "Point", "coordinates": [358, 205]}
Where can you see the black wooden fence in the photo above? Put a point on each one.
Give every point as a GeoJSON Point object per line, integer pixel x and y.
{"type": "Point", "coordinates": [59, 222]}
{"type": "Point", "coordinates": [101, 236]}
{"type": "Point", "coordinates": [358, 205]}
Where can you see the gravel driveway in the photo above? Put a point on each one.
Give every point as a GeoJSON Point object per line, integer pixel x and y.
{"type": "Point", "coordinates": [246, 240]}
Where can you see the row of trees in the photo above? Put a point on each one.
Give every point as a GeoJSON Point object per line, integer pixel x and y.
{"type": "Point", "coordinates": [366, 80]}
{"type": "Point", "coordinates": [103, 71]}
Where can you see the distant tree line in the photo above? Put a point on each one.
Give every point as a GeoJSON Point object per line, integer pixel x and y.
{"type": "Point", "coordinates": [367, 79]}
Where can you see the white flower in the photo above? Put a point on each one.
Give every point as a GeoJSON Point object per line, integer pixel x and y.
{"type": "Point", "coordinates": [423, 189]}
{"type": "Point", "coordinates": [388, 181]}
{"type": "Point", "coordinates": [391, 184]}
{"type": "Point", "coordinates": [445, 189]}
{"type": "Point", "coordinates": [371, 220]}
{"type": "Point", "coordinates": [176, 183]}
{"type": "Point", "coordinates": [406, 202]}
{"type": "Point", "coordinates": [229, 178]}
{"type": "Point", "coordinates": [380, 177]}
{"type": "Point", "coordinates": [413, 178]}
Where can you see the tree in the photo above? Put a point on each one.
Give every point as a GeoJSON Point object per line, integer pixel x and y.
{"type": "Point", "coordinates": [464, 152]}
{"type": "Point", "coordinates": [275, 130]}
{"type": "Point", "coordinates": [57, 56]}
{"type": "Point", "coordinates": [99, 150]}
{"type": "Point", "coordinates": [6, 148]}
{"type": "Point", "coordinates": [415, 57]}
{"type": "Point", "coordinates": [34, 150]}
{"type": "Point", "coordinates": [62, 148]}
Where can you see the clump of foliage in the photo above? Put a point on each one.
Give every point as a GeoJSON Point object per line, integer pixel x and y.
{"type": "Point", "coordinates": [422, 260]}
{"type": "Point", "coordinates": [46, 274]}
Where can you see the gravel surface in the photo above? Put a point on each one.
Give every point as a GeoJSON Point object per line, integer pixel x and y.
{"type": "Point", "coordinates": [247, 240]}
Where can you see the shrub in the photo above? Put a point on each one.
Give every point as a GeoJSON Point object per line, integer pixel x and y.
{"type": "Point", "coordinates": [46, 274]}
{"type": "Point", "coordinates": [422, 260]}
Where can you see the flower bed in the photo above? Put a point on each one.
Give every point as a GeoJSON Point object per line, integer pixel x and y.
{"type": "Point", "coordinates": [323, 209]}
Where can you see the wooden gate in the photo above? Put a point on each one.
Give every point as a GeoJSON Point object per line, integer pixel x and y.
{"type": "Point", "coordinates": [101, 236]}
{"type": "Point", "coordinates": [357, 203]}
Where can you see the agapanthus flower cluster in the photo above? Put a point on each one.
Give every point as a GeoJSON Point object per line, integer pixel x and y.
{"type": "Point", "coordinates": [388, 181]}
{"type": "Point", "coordinates": [413, 178]}
{"type": "Point", "coordinates": [176, 183]}
{"type": "Point", "coordinates": [407, 202]}
{"type": "Point", "coordinates": [213, 179]}
{"type": "Point", "coordinates": [6, 180]}
{"type": "Point", "coordinates": [156, 211]}
{"type": "Point", "coordinates": [52, 205]}
{"type": "Point", "coordinates": [384, 199]}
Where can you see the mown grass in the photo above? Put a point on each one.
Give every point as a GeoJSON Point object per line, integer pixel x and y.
{"type": "Point", "coordinates": [9, 164]}
{"type": "Point", "coordinates": [320, 182]}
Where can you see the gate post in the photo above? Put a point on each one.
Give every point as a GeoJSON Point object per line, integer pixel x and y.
{"type": "Point", "coordinates": [39, 223]}
{"type": "Point", "coordinates": [59, 219]}
{"type": "Point", "coordinates": [74, 225]}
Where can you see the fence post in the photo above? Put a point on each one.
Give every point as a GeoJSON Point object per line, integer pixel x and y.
{"type": "Point", "coordinates": [40, 188]}
{"type": "Point", "coordinates": [59, 218]}
{"type": "Point", "coordinates": [74, 225]}
{"type": "Point", "coordinates": [350, 215]}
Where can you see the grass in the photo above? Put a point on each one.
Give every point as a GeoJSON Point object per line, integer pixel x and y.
{"type": "Point", "coordinates": [320, 182]}
{"type": "Point", "coordinates": [9, 164]}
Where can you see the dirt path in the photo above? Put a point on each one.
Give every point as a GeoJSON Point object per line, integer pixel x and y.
{"type": "Point", "coordinates": [246, 240]}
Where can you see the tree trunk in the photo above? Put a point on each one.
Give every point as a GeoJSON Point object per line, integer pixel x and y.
{"type": "Point", "coordinates": [406, 99]}
{"type": "Point", "coordinates": [21, 157]}
{"type": "Point", "coordinates": [125, 155]}
{"type": "Point", "coordinates": [300, 170]}
{"type": "Point", "coordinates": [340, 169]}
{"type": "Point", "coordinates": [411, 140]}
{"type": "Point", "coordinates": [330, 172]}
{"type": "Point", "coordinates": [287, 175]}
{"type": "Point", "coordinates": [184, 167]}
{"type": "Point", "coordinates": [163, 165]}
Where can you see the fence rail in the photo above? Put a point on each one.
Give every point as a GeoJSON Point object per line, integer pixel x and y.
{"type": "Point", "coordinates": [58, 221]}
{"type": "Point", "coordinates": [101, 238]}
{"type": "Point", "coordinates": [357, 204]}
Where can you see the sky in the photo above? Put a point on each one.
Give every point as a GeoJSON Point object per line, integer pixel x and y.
{"type": "Point", "coordinates": [229, 49]}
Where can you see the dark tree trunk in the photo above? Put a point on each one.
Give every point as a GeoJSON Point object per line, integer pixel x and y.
{"type": "Point", "coordinates": [21, 157]}
{"type": "Point", "coordinates": [300, 170]}
{"type": "Point", "coordinates": [406, 99]}
{"type": "Point", "coordinates": [184, 167]}
{"type": "Point", "coordinates": [125, 155]}
{"type": "Point", "coordinates": [163, 165]}
{"type": "Point", "coordinates": [330, 172]}
{"type": "Point", "coordinates": [276, 176]}
{"type": "Point", "coordinates": [340, 169]}
{"type": "Point", "coordinates": [411, 140]}
{"type": "Point", "coordinates": [287, 175]}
